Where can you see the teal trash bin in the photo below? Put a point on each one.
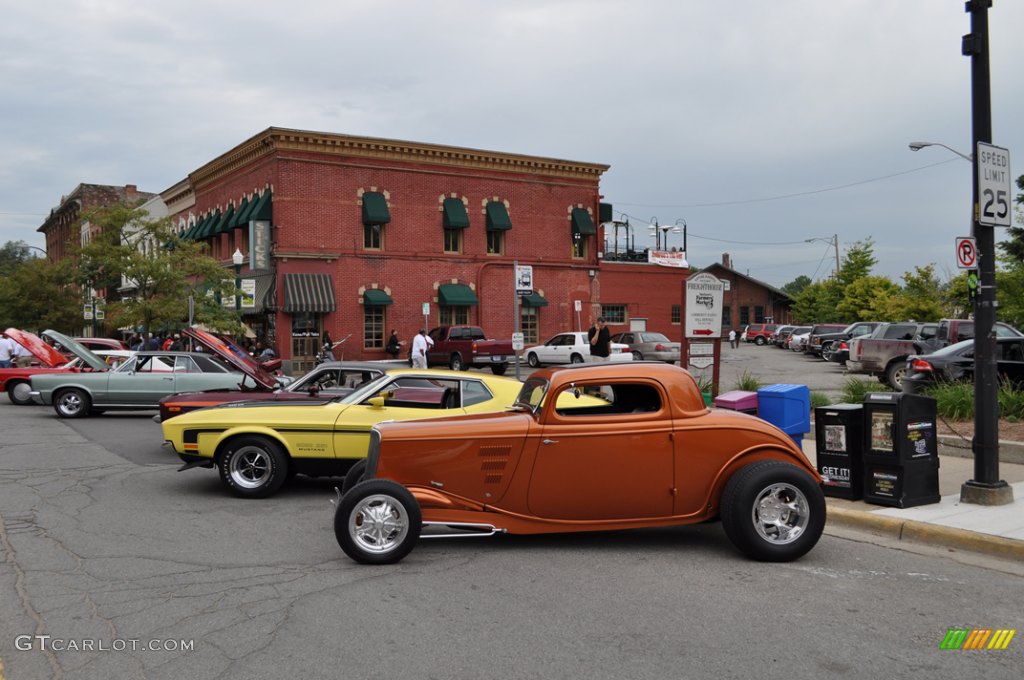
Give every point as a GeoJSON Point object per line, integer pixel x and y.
{"type": "Point", "coordinates": [788, 407]}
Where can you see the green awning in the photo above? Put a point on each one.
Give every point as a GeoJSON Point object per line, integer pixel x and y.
{"type": "Point", "coordinates": [375, 297]}
{"type": "Point", "coordinates": [581, 222]}
{"type": "Point", "coordinates": [187, 236]}
{"type": "Point", "coordinates": [223, 225]}
{"type": "Point", "coordinates": [262, 210]}
{"type": "Point", "coordinates": [534, 300]}
{"type": "Point", "coordinates": [455, 216]}
{"type": "Point", "coordinates": [456, 295]}
{"type": "Point", "coordinates": [208, 226]}
{"type": "Point", "coordinates": [308, 293]}
{"type": "Point", "coordinates": [375, 208]}
{"type": "Point", "coordinates": [239, 219]}
{"type": "Point", "coordinates": [497, 217]}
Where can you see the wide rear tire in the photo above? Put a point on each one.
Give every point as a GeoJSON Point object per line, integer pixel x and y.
{"type": "Point", "coordinates": [773, 511]}
{"type": "Point", "coordinates": [253, 467]}
{"type": "Point", "coordinates": [377, 522]}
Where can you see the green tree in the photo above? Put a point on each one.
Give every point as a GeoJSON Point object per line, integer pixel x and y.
{"type": "Point", "coordinates": [1013, 246]}
{"type": "Point", "coordinates": [921, 297]}
{"type": "Point", "coordinates": [817, 302]}
{"type": "Point", "coordinates": [858, 262]}
{"type": "Point", "coordinates": [129, 249]}
{"type": "Point", "coordinates": [867, 298]}
{"type": "Point", "coordinates": [36, 297]}
{"type": "Point", "coordinates": [12, 255]}
{"type": "Point", "coordinates": [797, 285]}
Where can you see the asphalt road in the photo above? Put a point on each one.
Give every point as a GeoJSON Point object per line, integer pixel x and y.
{"type": "Point", "coordinates": [104, 541]}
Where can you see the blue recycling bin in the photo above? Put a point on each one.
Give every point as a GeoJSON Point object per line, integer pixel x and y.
{"type": "Point", "coordinates": [788, 407]}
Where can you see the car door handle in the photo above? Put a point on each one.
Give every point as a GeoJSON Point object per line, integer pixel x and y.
{"type": "Point", "coordinates": [549, 441]}
{"type": "Point", "coordinates": [168, 378]}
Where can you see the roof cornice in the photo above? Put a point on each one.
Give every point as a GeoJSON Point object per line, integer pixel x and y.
{"type": "Point", "coordinates": [371, 148]}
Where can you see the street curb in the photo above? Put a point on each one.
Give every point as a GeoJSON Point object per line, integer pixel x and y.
{"type": "Point", "coordinates": [932, 534]}
{"type": "Point", "coordinates": [953, 445]}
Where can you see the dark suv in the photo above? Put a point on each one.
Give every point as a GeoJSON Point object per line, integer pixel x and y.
{"type": "Point", "coordinates": [758, 333]}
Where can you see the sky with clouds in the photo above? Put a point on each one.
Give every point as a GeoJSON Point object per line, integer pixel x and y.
{"type": "Point", "coordinates": [760, 123]}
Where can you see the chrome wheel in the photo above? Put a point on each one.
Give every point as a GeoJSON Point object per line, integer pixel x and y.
{"type": "Point", "coordinates": [780, 514]}
{"type": "Point", "coordinates": [71, 404]}
{"type": "Point", "coordinates": [378, 524]}
{"type": "Point", "coordinates": [250, 467]}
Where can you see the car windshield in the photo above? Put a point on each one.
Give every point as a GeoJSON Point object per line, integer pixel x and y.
{"type": "Point", "coordinates": [954, 349]}
{"type": "Point", "coordinates": [365, 391]}
{"type": "Point", "coordinates": [532, 394]}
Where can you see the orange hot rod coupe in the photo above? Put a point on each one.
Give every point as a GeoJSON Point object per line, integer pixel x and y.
{"type": "Point", "coordinates": [639, 450]}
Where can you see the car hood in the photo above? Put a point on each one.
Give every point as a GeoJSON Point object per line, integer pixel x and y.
{"type": "Point", "coordinates": [47, 355]}
{"type": "Point", "coordinates": [234, 355]}
{"type": "Point", "coordinates": [79, 350]}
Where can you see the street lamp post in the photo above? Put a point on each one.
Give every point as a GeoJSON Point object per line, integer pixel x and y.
{"type": "Point", "coordinates": [834, 241]}
{"type": "Point", "coordinates": [917, 146]}
{"type": "Point", "coordinates": [237, 259]}
{"type": "Point", "coordinates": [685, 257]}
{"type": "Point", "coordinates": [660, 233]}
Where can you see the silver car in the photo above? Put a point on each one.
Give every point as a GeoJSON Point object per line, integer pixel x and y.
{"type": "Point", "coordinates": [137, 384]}
{"type": "Point", "coordinates": [649, 345]}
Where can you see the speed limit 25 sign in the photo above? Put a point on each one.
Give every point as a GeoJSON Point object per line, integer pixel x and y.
{"type": "Point", "coordinates": [993, 185]}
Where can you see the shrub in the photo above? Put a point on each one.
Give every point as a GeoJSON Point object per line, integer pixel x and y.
{"type": "Point", "coordinates": [747, 383]}
{"type": "Point", "coordinates": [953, 400]}
{"type": "Point", "coordinates": [1011, 402]}
{"type": "Point", "coordinates": [819, 399]}
{"type": "Point", "coordinates": [854, 390]}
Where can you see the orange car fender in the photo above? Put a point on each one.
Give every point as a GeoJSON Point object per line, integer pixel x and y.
{"type": "Point", "coordinates": [752, 455]}
{"type": "Point", "coordinates": [430, 499]}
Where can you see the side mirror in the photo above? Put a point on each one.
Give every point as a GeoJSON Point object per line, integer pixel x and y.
{"type": "Point", "coordinates": [314, 390]}
{"type": "Point", "coordinates": [376, 402]}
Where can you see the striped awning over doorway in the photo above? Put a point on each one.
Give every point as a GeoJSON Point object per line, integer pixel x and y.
{"type": "Point", "coordinates": [308, 293]}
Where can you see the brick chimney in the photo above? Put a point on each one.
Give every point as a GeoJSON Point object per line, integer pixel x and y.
{"type": "Point", "coordinates": [726, 261]}
{"type": "Point", "coordinates": [131, 192]}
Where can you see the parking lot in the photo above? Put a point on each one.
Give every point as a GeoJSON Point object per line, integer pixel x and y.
{"type": "Point", "coordinates": [104, 540]}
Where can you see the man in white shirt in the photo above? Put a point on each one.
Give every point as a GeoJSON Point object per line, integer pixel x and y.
{"type": "Point", "coordinates": [419, 349]}
{"type": "Point", "coordinates": [6, 351]}
{"type": "Point", "coordinates": [22, 357]}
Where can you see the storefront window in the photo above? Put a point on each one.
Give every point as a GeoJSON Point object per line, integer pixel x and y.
{"type": "Point", "coordinates": [528, 320]}
{"type": "Point", "coordinates": [373, 326]}
{"type": "Point", "coordinates": [454, 316]}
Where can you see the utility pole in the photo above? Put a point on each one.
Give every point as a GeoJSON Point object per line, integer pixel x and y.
{"type": "Point", "coordinates": [986, 488]}
{"type": "Point", "coordinates": [835, 242]}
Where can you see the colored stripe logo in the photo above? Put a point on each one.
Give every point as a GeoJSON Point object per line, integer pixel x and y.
{"type": "Point", "coordinates": [966, 639]}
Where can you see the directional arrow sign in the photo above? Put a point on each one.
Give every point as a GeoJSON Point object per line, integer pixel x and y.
{"type": "Point", "coordinates": [702, 331]}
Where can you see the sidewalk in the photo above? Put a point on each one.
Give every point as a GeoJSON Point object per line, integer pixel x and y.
{"type": "Point", "coordinates": [993, 530]}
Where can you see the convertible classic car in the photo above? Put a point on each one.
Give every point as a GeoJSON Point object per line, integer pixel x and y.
{"type": "Point", "coordinates": [257, 445]}
{"type": "Point", "coordinates": [651, 454]}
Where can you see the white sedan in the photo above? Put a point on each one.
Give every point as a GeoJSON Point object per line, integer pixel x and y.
{"type": "Point", "coordinates": [571, 348]}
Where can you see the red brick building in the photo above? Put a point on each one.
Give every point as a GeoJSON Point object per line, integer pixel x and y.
{"type": "Point", "coordinates": [353, 235]}
{"type": "Point", "coordinates": [63, 227]}
{"type": "Point", "coordinates": [748, 300]}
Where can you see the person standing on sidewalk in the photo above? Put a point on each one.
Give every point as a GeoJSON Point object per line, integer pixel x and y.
{"type": "Point", "coordinates": [732, 338]}
{"type": "Point", "coordinates": [600, 341]}
{"type": "Point", "coordinates": [419, 349]}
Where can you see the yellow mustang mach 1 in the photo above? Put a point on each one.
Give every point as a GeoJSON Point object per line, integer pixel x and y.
{"type": "Point", "coordinates": [257, 445]}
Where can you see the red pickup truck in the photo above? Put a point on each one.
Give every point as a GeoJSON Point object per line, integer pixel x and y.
{"type": "Point", "coordinates": [460, 347]}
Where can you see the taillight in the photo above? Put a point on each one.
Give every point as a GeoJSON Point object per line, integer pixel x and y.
{"type": "Point", "coordinates": [918, 365]}
{"type": "Point", "coordinates": [660, 348]}
{"type": "Point", "coordinates": [843, 345]}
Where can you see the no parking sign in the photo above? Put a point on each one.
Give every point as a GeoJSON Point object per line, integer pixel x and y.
{"type": "Point", "coordinates": [966, 252]}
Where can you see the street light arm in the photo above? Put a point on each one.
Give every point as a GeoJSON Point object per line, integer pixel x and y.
{"type": "Point", "coordinates": [917, 146]}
